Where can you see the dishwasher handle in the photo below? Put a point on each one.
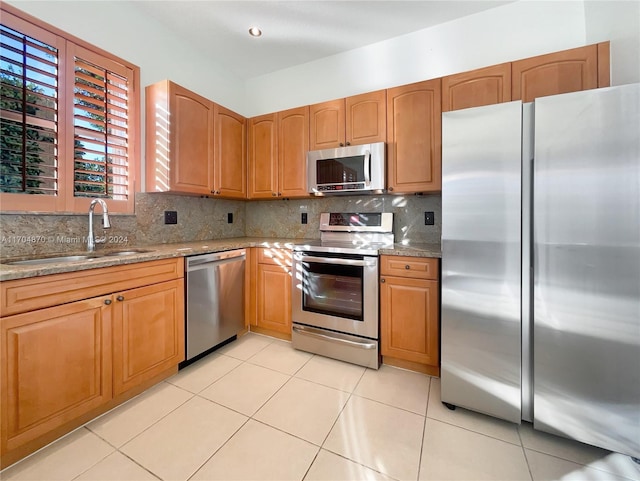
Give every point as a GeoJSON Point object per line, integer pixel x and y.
{"type": "Point", "coordinates": [196, 262]}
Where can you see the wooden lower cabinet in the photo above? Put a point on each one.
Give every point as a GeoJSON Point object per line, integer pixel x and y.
{"type": "Point", "coordinates": [409, 313]}
{"type": "Point", "coordinates": [65, 359]}
{"type": "Point", "coordinates": [271, 291]}
{"type": "Point", "coordinates": [148, 333]}
{"type": "Point", "coordinates": [56, 365]}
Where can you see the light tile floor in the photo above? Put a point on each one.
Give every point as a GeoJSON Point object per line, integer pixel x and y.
{"type": "Point", "coordinates": [258, 409]}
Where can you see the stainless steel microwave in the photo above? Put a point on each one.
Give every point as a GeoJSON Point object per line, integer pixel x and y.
{"type": "Point", "coordinates": [352, 169]}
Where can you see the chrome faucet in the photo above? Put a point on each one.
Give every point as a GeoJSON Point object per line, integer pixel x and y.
{"type": "Point", "coordinates": [91, 241]}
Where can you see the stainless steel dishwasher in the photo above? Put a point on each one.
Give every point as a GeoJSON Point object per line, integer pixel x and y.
{"type": "Point", "coordinates": [215, 299]}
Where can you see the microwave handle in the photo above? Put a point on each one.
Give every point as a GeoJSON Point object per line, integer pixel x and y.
{"type": "Point", "coordinates": [367, 167]}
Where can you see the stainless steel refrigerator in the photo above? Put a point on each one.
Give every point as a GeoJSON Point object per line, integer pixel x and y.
{"type": "Point", "coordinates": [541, 264]}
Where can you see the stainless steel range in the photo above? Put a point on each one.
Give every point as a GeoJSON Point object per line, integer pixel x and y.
{"type": "Point", "coordinates": [335, 287]}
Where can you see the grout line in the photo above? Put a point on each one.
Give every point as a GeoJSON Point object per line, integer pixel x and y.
{"type": "Point", "coordinates": [424, 430]}
{"type": "Point", "coordinates": [524, 452]}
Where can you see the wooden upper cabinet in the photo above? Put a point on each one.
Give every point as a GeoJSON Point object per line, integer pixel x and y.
{"type": "Point", "coordinates": [230, 142]}
{"type": "Point", "coordinates": [485, 86]}
{"type": "Point", "coordinates": [360, 119]}
{"type": "Point", "coordinates": [193, 145]}
{"type": "Point", "coordinates": [179, 140]}
{"type": "Point", "coordinates": [326, 125]}
{"type": "Point", "coordinates": [562, 72]}
{"type": "Point", "coordinates": [414, 124]}
{"type": "Point", "coordinates": [293, 145]}
{"type": "Point", "coordinates": [263, 156]}
{"type": "Point", "coordinates": [366, 118]}
{"type": "Point", "coordinates": [278, 145]}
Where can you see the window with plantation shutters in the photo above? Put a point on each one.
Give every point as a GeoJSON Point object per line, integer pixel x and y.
{"type": "Point", "coordinates": [29, 122]}
{"type": "Point", "coordinates": [100, 104]}
{"type": "Point", "coordinates": [69, 117]}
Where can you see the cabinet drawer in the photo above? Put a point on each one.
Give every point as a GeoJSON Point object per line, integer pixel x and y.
{"type": "Point", "coordinates": [414, 267]}
{"type": "Point", "coordinates": [24, 295]}
{"type": "Point", "coordinates": [274, 256]}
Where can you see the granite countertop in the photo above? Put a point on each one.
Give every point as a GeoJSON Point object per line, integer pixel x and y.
{"type": "Point", "coordinates": [180, 249]}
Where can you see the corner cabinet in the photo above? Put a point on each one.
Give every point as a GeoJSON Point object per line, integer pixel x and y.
{"type": "Point", "coordinates": [360, 119]}
{"type": "Point", "coordinates": [414, 131]}
{"type": "Point", "coordinates": [278, 145]}
{"type": "Point", "coordinates": [74, 345]}
{"type": "Point", "coordinates": [410, 313]}
{"type": "Point", "coordinates": [229, 159]}
{"type": "Point", "coordinates": [270, 304]}
{"type": "Point", "coordinates": [193, 146]}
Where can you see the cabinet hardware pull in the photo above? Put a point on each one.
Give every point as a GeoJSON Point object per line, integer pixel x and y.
{"type": "Point", "coordinates": [120, 298]}
{"type": "Point", "coordinates": [107, 301]}
{"type": "Point", "coordinates": [382, 281]}
{"type": "Point", "coordinates": [341, 144]}
{"type": "Point", "coordinates": [390, 189]}
{"type": "Point", "coordinates": [279, 194]}
{"type": "Point", "coordinates": [407, 267]}
{"type": "Point", "coordinates": [273, 194]}
{"type": "Point", "coordinates": [348, 143]}
{"type": "Point", "coordinates": [213, 191]}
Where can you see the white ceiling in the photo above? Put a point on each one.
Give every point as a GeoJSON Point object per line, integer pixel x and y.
{"type": "Point", "coordinates": [297, 31]}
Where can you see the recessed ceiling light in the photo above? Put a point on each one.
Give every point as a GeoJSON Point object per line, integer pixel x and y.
{"type": "Point", "coordinates": [255, 32]}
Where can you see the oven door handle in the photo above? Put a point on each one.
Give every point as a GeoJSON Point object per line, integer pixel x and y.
{"type": "Point", "coordinates": [336, 340]}
{"type": "Point", "coordinates": [341, 262]}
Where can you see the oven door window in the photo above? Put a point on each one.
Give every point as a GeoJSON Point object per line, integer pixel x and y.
{"type": "Point", "coordinates": [335, 290]}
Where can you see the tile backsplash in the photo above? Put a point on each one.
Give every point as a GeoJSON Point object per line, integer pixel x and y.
{"type": "Point", "coordinates": [202, 219]}
{"type": "Point", "coordinates": [282, 218]}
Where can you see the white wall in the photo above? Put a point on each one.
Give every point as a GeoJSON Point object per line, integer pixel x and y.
{"type": "Point", "coordinates": [120, 28]}
{"type": "Point", "coordinates": [518, 30]}
{"type": "Point", "coordinates": [619, 22]}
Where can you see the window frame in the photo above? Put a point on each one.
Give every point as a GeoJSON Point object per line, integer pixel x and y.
{"type": "Point", "coordinates": [65, 201]}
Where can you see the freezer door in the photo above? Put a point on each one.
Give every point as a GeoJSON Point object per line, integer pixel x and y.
{"type": "Point", "coordinates": [587, 267]}
{"type": "Point", "coordinates": [481, 261]}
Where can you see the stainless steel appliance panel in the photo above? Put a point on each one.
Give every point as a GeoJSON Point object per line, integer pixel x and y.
{"type": "Point", "coordinates": [215, 299]}
{"type": "Point", "coordinates": [481, 262]}
{"type": "Point", "coordinates": [587, 267]}
{"type": "Point", "coordinates": [350, 169]}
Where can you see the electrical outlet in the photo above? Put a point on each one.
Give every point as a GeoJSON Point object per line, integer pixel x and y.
{"type": "Point", "coordinates": [303, 218]}
{"type": "Point", "coordinates": [429, 218]}
{"type": "Point", "coordinates": [230, 218]}
{"type": "Point", "coordinates": [170, 217]}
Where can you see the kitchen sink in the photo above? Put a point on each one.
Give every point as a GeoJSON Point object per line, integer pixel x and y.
{"type": "Point", "coordinates": [52, 260]}
{"type": "Point", "coordinates": [75, 258]}
{"type": "Point", "coordinates": [128, 252]}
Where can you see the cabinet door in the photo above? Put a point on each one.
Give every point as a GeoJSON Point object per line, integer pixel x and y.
{"type": "Point", "coordinates": [56, 366]}
{"type": "Point", "coordinates": [230, 166]}
{"type": "Point", "coordinates": [148, 333]}
{"type": "Point", "coordinates": [263, 156]}
{"type": "Point", "coordinates": [326, 125]}
{"type": "Point", "coordinates": [485, 86]}
{"type": "Point", "coordinates": [184, 163]}
{"type": "Point", "coordinates": [273, 300]}
{"type": "Point", "coordinates": [555, 73]}
{"type": "Point", "coordinates": [409, 319]}
{"type": "Point", "coordinates": [293, 144]}
{"type": "Point", "coordinates": [366, 118]}
{"type": "Point", "coordinates": [414, 138]}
